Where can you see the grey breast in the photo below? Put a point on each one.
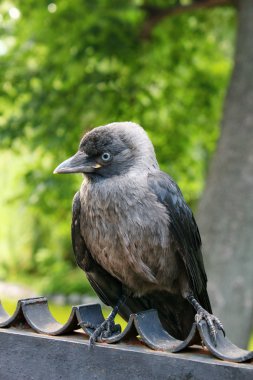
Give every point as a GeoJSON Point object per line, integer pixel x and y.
{"type": "Point", "coordinates": [126, 231]}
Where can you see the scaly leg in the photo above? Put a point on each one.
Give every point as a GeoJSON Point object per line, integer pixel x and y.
{"type": "Point", "coordinates": [107, 328]}
{"type": "Point", "coordinates": [212, 321]}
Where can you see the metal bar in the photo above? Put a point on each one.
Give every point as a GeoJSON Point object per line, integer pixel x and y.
{"type": "Point", "coordinates": [27, 355]}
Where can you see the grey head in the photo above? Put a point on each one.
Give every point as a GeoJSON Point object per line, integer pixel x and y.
{"type": "Point", "coordinates": [112, 149]}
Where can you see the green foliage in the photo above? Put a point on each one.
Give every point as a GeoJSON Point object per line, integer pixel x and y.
{"type": "Point", "coordinates": [71, 66]}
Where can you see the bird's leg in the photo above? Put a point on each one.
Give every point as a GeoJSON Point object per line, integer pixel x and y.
{"type": "Point", "coordinates": [107, 328]}
{"type": "Point", "coordinates": [212, 321]}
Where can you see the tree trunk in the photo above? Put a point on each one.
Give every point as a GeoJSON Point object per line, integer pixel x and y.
{"type": "Point", "coordinates": [225, 213]}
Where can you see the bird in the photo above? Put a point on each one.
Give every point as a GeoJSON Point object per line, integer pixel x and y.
{"type": "Point", "coordinates": [134, 234]}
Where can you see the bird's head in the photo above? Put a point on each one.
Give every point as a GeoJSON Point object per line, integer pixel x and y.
{"type": "Point", "coordinates": [110, 150]}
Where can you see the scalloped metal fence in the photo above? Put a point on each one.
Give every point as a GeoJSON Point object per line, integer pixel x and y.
{"type": "Point", "coordinates": [34, 313]}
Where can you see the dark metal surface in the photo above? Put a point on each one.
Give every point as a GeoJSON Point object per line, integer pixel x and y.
{"type": "Point", "coordinates": [152, 333]}
{"type": "Point", "coordinates": [34, 313]}
{"type": "Point", "coordinates": [26, 355]}
{"type": "Point", "coordinates": [224, 349]}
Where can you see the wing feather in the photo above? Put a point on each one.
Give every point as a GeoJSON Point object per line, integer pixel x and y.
{"type": "Point", "coordinates": [184, 230]}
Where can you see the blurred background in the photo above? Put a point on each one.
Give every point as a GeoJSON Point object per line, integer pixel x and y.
{"type": "Point", "coordinates": [68, 66]}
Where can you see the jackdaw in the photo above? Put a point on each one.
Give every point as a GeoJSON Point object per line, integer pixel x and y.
{"type": "Point", "coordinates": [133, 233]}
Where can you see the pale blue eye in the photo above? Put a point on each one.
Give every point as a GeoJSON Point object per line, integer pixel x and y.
{"type": "Point", "coordinates": [106, 156]}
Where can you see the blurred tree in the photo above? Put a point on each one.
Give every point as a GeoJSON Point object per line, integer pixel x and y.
{"type": "Point", "coordinates": [69, 66]}
{"type": "Point", "coordinates": [225, 212]}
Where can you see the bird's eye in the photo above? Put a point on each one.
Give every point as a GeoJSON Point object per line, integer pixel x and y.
{"type": "Point", "coordinates": [106, 156]}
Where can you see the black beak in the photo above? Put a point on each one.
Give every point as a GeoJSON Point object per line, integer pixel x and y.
{"type": "Point", "coordinates": [79, 163]}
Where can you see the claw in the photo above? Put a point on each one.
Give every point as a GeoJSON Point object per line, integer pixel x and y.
{"type": "Point", "coordinates": [91, 342]}
{"type": "Point", "coordinates": [211, 327]}
{"type": "Point", "coordinates": [212, 322]}
{"type": "Point", "coordinates": [220, 325]}
{"type": "Point", "coordinates": [223, 331]}
{"type": "Point", "coordinates": [198, 317]}
{"type": "Point", "coordinates": [105, 330]}
{"type": "Point", "coordinates": [108, 327]}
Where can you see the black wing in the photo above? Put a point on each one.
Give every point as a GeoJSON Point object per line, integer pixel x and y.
{"type": "Point", "coordinates": [185, 233]}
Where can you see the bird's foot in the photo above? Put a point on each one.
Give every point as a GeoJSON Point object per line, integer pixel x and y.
{"type": "Point", "coordinates": [213, 322]}
{"type": "Point", "coordinates": [108, 327]}
{"type": "Point", "coordinates": [105, 330]}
